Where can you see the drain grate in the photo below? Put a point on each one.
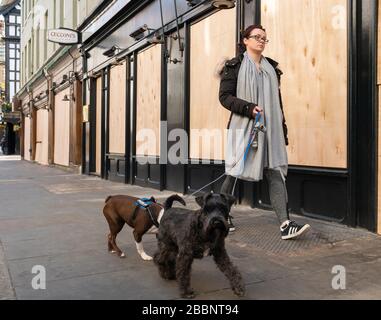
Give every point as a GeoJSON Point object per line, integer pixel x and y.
{"type": "Point", "coordinates": [262, 232]}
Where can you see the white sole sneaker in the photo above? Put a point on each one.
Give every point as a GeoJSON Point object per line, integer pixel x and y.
{"type": "Point", "coordinates": [297, 234]}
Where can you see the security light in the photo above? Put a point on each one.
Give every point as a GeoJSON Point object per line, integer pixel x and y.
{"type": "Point", "coordinates": [223, 4]}
{"type": "Point", "coordinates": [111, 52]}
{"type": "Point", "coordinates": [68, 98]}
{"type": "Point", "coordinates": [139, 33]}
{"type": "Point", "coordinates": [65, 98]}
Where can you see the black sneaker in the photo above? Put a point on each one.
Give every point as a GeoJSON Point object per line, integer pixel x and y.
{"type": "Point", "coordinates": [230, 224]}
{"type": "Point", "coordinates": [291, 230]}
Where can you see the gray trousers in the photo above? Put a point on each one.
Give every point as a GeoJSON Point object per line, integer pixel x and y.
{"type": "Point", "coordinates": [277, 190]}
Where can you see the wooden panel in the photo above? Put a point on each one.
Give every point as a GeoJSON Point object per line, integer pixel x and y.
{"type": "Point", "coordinates": [314, 85]}
{"type": "Point", "coordinates": [212, 42]}
{"type": "Point", "coordinates": [98, 127]}
{"type": "Point", "coordinates": [27, 138]}
{"type": "Point", "coordinates": [379, 160]}
{"type": "Point", "coordinates": [379, 119]}
{"type": "Point", "coordinates": [42, 139]}
{"type": "Point", "coordinates": [61, 129]}
{"type": "Point", "coordinates": [148, 101]}
{"type": "Point", "coordinates": [379, 43]}
{"type": "Point", "coordinates": [76, 125]}
{"type": "Point", "coordinates": [117, 139]}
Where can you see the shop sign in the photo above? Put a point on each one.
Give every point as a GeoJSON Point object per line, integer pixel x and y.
{"type": "Point", "coordinates": [64, 36]}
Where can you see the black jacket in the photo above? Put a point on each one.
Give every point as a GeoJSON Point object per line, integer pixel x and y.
{"type": "Point", "coordinates": [228, 91]}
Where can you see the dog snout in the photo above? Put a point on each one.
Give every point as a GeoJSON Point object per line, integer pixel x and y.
{"type": "Point", "coordinates": [217, 222]}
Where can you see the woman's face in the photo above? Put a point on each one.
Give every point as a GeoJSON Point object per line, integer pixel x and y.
{"type": "Point", "coordinates": [257, 41]}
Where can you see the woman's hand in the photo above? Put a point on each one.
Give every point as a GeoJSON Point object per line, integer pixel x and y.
{"type": "Point", "coordinates": [256, 110]}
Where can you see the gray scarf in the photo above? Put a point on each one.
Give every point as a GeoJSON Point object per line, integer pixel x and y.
{"type": "Point", "coordinates": [260, 87]}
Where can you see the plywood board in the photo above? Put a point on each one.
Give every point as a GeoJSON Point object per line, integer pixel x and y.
{"type": "Point", "coordinates": [379, 120]}
{"type": "Point", "coordinates": [379, 160]}
{"type": "Point", "coordinates": [309, 39]}
{"type": "Point", "coordinates": [61, 129]}
{"type": "Point", "coordinates": [117, 114]}
{"type": "Point", "coordinates": [148, 102]}
{"type": "Point", "coordinates": [213, 41]}
{"type": "Point", "coordinates": [98, 133]}
{"type": "Point", "coordinates": [42, 138]}
{"type": "Point", "coordinates": [379, 43]}
{"type": "Point", "coordinates": [26, 138]}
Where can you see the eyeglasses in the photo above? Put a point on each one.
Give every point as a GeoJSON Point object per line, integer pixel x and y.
{"type": "Point", "coordinates": [259, 38]}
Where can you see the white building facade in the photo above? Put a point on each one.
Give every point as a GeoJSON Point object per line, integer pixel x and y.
{"type": "Point", "coordinates": [51, 82]}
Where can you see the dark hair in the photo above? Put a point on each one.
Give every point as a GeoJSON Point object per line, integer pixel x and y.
{"type": "Point", "coordinates": [246, 34]}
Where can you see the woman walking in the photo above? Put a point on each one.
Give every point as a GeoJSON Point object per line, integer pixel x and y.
{"type": "Point", "coordinates": [250, 89]}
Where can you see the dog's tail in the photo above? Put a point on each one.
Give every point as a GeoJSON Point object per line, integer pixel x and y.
{"type": "Point", "coordinates": [108, 198]}
{"type": "Point", "coordinates": [168, 203]}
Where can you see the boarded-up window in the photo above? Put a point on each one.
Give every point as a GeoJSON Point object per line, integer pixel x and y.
{"type": "Point", "coordinates": [26, 138]}
{"type": "Point", "coordinates": [117, 111]}
{"type": "Point", "coordinates": [379, 115]}
{"type": "Point", "coordinates": [98, 126]}
{"type": "Point", "coordinates": [148, 102]}
{"type": "Point", "coordinates": [61, 128]}
{"type": "Point", "coordinates": [309, 39]}
{"type": "Point", "coordinates": [213, 41]}
{"type": "Point", "coordinates": [42, 138]}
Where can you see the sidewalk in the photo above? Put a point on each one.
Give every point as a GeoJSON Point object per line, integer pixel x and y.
{"type": "Point", "coordinates": [53, 218]}
{"type": "Point", "coordinates": [6, 291]}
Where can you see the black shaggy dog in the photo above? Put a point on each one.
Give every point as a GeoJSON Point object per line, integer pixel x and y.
{"type": "Point", "coordinates": [185, 235]}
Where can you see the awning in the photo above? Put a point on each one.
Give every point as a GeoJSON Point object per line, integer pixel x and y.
{"type": "Point", "coordinates": [12, 117]}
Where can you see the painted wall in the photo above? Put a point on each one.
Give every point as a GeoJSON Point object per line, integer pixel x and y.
{"type": "Point", "coordinates": [45, 15]}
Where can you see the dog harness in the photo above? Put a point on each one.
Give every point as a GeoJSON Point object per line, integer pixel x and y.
{"type": "Point", "coordinates": [145, 203]}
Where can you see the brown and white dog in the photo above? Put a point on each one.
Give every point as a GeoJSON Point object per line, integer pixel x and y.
{"type": "Point", "coordinates": [122, 209]}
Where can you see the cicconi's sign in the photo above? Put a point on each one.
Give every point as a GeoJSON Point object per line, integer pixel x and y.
{"type": "Point", "coordinates": [63, 36]}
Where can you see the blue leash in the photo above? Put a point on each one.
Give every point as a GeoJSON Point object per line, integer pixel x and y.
{"type": "Point", "coordinates": [251, 140]}
{"type": "Point", "coordinates": [253, 134]}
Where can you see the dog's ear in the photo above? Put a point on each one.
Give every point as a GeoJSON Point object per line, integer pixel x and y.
{"type": "Point", "coordinates": [202, 200]}
{"type": "Point", "coordinates": [229, 199]}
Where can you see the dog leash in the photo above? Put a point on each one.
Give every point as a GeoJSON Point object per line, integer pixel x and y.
{"type": "Point", "coordinates": [257, 126]}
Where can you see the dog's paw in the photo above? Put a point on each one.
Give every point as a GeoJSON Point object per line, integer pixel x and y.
{"type": "Point", "coordinates": [112, 251]}
{"type": "Point", "coordinates": [188, 295]}
{"type": "Point", "coordinates": [239, 291]}
{"type": "Point", "coordinates": [122, 255]}
{"type": "Point", "coordinates": [146, 257]}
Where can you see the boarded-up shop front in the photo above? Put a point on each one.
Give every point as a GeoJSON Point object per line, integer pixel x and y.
{"type": "Point", "coordinates": [62, 128]}
{"type": "Point", "coordinates": [116, 151]}
{"type": "Point", "coordinates": [42, 136]}
{"type": "Point", "coordinates": [98, 122]}
{"type": "Point", "coordinates": [148, 115]}
{"type": "Point", "coordinates": [327, 52]}
{"type": "Point", "coordinates": [315, 97]}
{"type": "Point", "coordinates": [26, 130]}
{"type": "Point", "coordinates": [212, 42]}
{"type": "Point", "coordinates": [379, 115]}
